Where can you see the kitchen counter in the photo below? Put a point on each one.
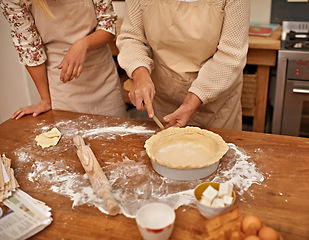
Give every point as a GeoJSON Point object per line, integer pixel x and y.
{"type": "Point", "coordinates": [262, 53]}
{"type": "Point", "coordinates": [280, 199]}
{"type": "Point", "coordinates": [271, 42]}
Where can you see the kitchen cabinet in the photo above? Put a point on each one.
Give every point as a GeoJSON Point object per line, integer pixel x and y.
{"type": "Point", "coordinates": [262, 53]}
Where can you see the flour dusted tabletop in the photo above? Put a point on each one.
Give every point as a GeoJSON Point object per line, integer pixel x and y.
{"type": "Point", "coordinates": [266, 170]}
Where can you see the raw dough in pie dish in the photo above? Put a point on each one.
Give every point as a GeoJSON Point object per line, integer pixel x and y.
{"type": "Point", "coordinates": [186, 148]}
{"type": "Point", "coordinates": [48, 139]}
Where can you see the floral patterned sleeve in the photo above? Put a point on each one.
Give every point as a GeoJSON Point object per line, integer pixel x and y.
{"type": "Point", "coordinates": [23, 31]}
{"type": "Point", "coordinates": [106, 16]}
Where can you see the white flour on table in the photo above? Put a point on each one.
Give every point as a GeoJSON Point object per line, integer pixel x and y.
{"type": "Point", "coordinates": [134, 183]}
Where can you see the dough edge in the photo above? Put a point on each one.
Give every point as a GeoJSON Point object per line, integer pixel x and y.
{"type": "Point", "coordinates": [223, 147]}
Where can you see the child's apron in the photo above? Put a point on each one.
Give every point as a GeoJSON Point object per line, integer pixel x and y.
{"type": "Point", "coordinates": [97, 90]}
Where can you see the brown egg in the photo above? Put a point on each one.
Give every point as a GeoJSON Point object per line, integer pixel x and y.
{"type": "Point", "coordinates": [251, 225]}
{"type": "Point", "coordinates": [268, 233]}
{"type": "Point", "coordinates": [252, 238]}
{"type": "Point", "coordinates": [236, 235]}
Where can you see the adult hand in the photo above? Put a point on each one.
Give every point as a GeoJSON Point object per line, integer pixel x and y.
{"type": "Point", "coordinates": [143, 91]}
{"type": "Point", "coordinates": [182, 115]}
{"type": "Point", "coordinates": [73, 62]}
{"type": "Point", "coordinates": [35, 110]}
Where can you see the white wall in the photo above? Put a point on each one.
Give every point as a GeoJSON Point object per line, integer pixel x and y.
{"type": "Point", "coordinates": [260, 11]}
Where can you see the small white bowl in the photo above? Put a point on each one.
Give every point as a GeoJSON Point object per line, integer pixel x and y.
{"type": "Point", "coordinates": [155, 221]}
{"type": "Point", "coordinates": [209, 212]}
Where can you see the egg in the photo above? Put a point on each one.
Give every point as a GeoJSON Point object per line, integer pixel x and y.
{"type": "Point", "coordinates": [251, 225]}
{"type": "Point", "coordinates": [252, 238]}
{"type": "Point", "coordinates": [236, 235]}
{"type": "Point", "coordinates": [268, 233]}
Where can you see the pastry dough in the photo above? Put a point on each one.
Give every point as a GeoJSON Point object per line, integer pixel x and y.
{"type": "Point", "coordinates": [186, 148]}
{"type": "Point", "coordinates": [48, 139]}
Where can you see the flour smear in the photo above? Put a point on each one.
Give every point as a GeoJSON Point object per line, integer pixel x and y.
{"type": "Point", "coordinates": [134, 183]}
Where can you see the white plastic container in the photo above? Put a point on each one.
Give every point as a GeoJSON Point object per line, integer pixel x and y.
{"type": "Point", "coordinates": [155, 221]}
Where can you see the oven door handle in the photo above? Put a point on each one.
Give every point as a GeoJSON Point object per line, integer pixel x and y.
{"type": "Point", "coordinates": [300, 90]}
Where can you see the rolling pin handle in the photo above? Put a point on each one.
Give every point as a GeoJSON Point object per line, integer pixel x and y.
{"type": "Point", "coordinates": [78, 141]}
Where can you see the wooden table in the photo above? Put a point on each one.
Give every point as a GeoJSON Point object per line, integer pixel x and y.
{"type": "Point", "coordinates": [281, 200]}
{"type": "Point", "coordinates": [263, 53]}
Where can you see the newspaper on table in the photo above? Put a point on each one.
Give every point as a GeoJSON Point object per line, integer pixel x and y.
{"type": "Point", "coordinates": [8, 182]}
{"type": "Point", "coordinates": [21, 216]}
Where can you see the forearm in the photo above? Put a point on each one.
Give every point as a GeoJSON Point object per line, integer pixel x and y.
{"type": "Point", "coordinates": [224, 69]}
{"type": "Point", "coordinates": [39, 77]}
{"type": "Point", "coordinates": [97, 39]}
{"type": "Point", "coordinates": [134, 49]}
{"type": "Point", "coordinates": [140, 73]}
{"type": "Point", "coordinates": [192, 101]}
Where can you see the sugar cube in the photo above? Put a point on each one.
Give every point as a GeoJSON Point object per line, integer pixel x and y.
{"type": "Point", "coordinates": [205, 201]}
{"type": "Point", "coordinates": [217, 202]}
{"type": "Point", "coordinates": [227, 200]}
{"type": "Point", "coordinates": [225, 189]}
{"type": "Point", "coordinates": [210, 193]}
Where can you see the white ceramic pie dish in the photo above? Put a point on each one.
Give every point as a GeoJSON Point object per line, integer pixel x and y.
{"type": "Point", "coordinates": [188, 153]}
{"type": "Point", "coordinates": [184, 174]}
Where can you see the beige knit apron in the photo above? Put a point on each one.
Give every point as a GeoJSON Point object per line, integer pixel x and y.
{"type": "Point", "coordinates": [183, 36]}
{"type": "Point", "coordinates": [98, 89]}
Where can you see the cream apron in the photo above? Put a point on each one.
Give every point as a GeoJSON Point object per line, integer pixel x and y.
{"type": "Point", "coordinates": [183, 35]}
{"type": "Point", "coordinates": [98, 89]}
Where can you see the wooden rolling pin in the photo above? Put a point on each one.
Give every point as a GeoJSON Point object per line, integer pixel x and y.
{"type": "Point", "coordinates": [98, 180]}
{"type": "Point", "coordinates": [128, 85]}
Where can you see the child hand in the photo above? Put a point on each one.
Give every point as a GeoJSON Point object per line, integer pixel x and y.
{"type": "Point", "coordinates": [35, 110]}
{"type": "Point", "coordinates": [72, 63]}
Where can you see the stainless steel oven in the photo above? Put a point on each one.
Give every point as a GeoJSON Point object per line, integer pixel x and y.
{"type": "Point", "coordinates": [291, 105]}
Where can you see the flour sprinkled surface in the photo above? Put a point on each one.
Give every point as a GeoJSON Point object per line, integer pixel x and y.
{"type": "Point", "coordinates": [133, 180]}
